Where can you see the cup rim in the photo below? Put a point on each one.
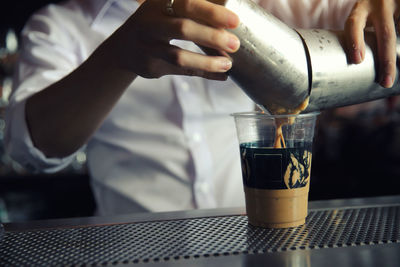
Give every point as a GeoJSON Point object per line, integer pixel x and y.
{"type": "Point", "coordinates": [259, 114]}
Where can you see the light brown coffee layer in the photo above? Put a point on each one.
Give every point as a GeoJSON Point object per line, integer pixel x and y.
{"type": "Point", "coordinates": [278, 208]}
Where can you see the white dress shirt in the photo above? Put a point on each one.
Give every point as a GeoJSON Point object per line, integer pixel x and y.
{"type": "Point", "coordinates": [169, 143]}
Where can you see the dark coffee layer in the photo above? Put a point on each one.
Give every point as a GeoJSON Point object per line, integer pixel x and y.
{"type": "Point", "coordinates": [275, 168]}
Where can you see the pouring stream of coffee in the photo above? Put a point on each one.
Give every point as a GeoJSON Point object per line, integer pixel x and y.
{"type": "Point", "coordinates": [279, 141]}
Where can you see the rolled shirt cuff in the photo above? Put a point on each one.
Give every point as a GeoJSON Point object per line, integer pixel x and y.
{"type": "Point", "coordinates": [19, 145]}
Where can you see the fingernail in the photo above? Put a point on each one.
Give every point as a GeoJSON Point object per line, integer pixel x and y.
{"type": "Point", "coordinates": [387, 81]}
{"type": "Point", "coordinates": [357, 56]}
{"type": "Point", "coordinates": [225, 64]}
{"type": "Point", "coordinates": [233, 44]}
{"type": "Point", "coordinates": [233, 21]}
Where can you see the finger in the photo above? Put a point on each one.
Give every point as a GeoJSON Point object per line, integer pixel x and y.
{"type": "Point", "coordinates": [203, 74]}
{"type": "Point", "coordinates": [158, 67]}
{"type": "Point", "coordinates": [165, 68]}
{"type": "Point", "coordinates": [354, 32]}
{"type": "Point", "coordinates": [205, 11]}
{"type": "Point", "coordinates": [185, 29]}
{"type": "Point", "coordinates": [386, 39]}
{"type": "Point", "coordinates": [190, 60]}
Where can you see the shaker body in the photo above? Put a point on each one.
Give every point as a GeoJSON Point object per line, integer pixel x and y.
{"type": "Point", "coordinates": [335, 81]}
{"type": "Point", "coordinates": [280, 66]}
{"type": "Point", "coordinates": [271, 64]}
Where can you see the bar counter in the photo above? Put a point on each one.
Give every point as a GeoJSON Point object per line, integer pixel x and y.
{"type": "Point", "coordinates": [341, 232]}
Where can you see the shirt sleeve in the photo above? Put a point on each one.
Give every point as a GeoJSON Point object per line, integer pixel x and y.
{"type": "Point", "coordinates": [306, 14]}
{"type": "Point", "coordinates": [46, 56]}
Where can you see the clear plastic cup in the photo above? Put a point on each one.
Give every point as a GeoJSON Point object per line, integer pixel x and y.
{"type": "Point", "coordinates": [1, 232]}
{"type": "Point", "coordinates": [276, 179]}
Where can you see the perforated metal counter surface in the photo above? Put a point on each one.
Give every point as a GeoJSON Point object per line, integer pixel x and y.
{"type": "Point", "coordinates": [353, 232]}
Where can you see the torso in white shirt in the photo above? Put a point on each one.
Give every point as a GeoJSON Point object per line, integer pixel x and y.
{"type": "Point", "coordinates": [169, 143]}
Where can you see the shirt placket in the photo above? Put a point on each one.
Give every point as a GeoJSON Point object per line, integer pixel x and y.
{"type": "Point", "coordinates": [193, 128]}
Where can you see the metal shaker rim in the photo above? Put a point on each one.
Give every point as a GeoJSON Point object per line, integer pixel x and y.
{"type": "Point", "coordinates": [262, 115]}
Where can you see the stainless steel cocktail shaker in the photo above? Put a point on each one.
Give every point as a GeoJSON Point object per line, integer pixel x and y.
{"type": "Point", "coordinates": [278, 65]}
{"type": "Point", "coordinates": [337, 83]}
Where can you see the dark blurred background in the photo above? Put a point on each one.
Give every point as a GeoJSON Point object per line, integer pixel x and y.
{"type": "Point", "coordinates": [356, 149]}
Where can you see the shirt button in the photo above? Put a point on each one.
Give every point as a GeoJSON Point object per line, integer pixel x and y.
{"type": "Point", "coordinates": [197, 137]}
{"type": "Point", "coordinates": [185, 86]}
{"type": "Point", "coordinates": [204, 188]}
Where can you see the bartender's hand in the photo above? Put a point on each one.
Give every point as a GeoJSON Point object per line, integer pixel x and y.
{"type": "Point", "coordinates": [380, 15]}
{"type": "Point", "coordinates": [142, 44]}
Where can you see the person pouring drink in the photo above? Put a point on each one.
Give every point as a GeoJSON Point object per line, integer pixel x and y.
{"type": "Point", "coordinates": [126, 81]}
